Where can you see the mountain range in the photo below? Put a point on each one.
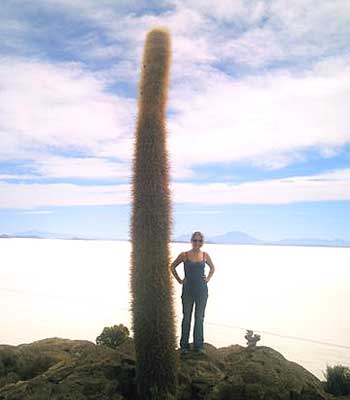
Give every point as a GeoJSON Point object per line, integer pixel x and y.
{"type": "Point", "coordinates": [233, 237]}
{"type": "Point", "coordinates": [237, 237]}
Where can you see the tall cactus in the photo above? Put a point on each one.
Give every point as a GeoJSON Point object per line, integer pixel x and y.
{"type": "Point", "coordinates": [152, 291]}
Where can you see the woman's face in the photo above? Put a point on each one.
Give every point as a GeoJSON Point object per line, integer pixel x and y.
{"type": "Point", "coordinates": [197, 242]}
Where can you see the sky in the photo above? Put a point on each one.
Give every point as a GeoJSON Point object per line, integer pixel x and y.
{"type": "Point", "coordinates": [257, 116]}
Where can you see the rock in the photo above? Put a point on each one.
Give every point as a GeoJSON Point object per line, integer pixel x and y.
{"type": "Point", "coordinates": [77, 370]}
{"type": "Point", "coordinates": [263, 373]}
{"type": "Point", "coordinates": [57, 369]}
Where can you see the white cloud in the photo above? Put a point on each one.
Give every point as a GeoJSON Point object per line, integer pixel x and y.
{"type": "Point", "coordinates": [190, 212]}
{"type": "Point", "coordinates": [322, 187]}
{"type": "Point", "coordinates": [263, 32]}
{"type": "Point", "coordinates": [223, 10]}
{"type": "Point", "coordinates": [334, 185]}
{"type": "Point", "coordinates": [251, 31]}
{"type": "Point", "coordinates": [38, 212]}
{"type": "Point", "coordinates": [60, 194]}
{"type": "Point", "coordinates": [78, 167]}
{"type": "Point", "coordinates": [16, 176]}
{"type": "Point", "coordinates": [46, 108]}
{"type": "Point", "coordinates": [60, 105]}
{"type": "Point", "coordinates": [267, 120]}
{"type": "Point", "coordinates": [255, 47]}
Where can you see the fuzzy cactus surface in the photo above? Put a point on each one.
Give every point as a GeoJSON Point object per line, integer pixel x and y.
{"type": "Point", "coordinates": [152, 304]}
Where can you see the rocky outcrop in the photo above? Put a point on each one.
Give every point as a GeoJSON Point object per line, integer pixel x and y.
{"type": "Point", "coordinates": [57, 369]}
{"type": "Point", "coordinates": [75, 369]}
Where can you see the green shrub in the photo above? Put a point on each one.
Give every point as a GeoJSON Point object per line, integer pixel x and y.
{"type": "Point", "coordinates": [11, 377]}
{"type": "Point", "coordinates": [337, 380]}
{"type": "Point", "coordinates": [22, 364]}
{"type": "Point", "coordinates": [7, 361]}
{"type": "Point", "coordinates": [30, 363]}
{"type": "Point", "coordinates": [113, 336]}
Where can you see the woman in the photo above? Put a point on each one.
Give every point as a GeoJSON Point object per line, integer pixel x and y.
{"type": "Point", "coordinates": [194, 291]}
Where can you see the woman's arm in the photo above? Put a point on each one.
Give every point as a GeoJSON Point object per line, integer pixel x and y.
{"type": "Point", "coordinates": [179, 259]}
{"type": "Point", "coordinates": [211, 266]}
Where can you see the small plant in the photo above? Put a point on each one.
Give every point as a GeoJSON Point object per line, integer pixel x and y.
{"type": "Point", "coordinates": [337, 380]}
{"type": "Point", "coordinates": [113, 336]}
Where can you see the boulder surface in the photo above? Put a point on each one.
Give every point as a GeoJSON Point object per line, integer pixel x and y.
{"type": "Point", "coordinates": [57, 369]}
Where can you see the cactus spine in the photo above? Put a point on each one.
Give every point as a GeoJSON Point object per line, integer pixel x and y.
{"type": "Point", "coordinates": [152, 291]}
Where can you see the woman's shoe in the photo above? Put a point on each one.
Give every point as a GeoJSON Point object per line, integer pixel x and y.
{"type": "Point", "coordinates": [184, 351]}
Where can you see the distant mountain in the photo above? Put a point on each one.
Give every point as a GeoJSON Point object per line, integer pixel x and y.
{"type": "Point", "coordinates": [35, 234]}
{"type": "Point", "coordinates": [313, 242]}
{"type": "Point", "coordinates": [182, 238]}
{"type": "Point", "coordinates": [15, 235]}
{"type": "Point", "coordinates": [233, 237]}
{"type": "Point", "coordinates": [237, 237]}
{"type": "Point", "coordinates": [43, 235]}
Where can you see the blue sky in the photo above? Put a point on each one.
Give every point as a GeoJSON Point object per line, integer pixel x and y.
{"type": "Point", "coordinates": [258, 115]}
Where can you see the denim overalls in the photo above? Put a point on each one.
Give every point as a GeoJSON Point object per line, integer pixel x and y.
{"type": "Point", "coordinates": [194, 291]}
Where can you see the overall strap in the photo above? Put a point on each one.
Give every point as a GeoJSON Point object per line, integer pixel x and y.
{"type": "Point", "coordinates": [186, 256]}
{"type": "Point", "coordinates": [204, 256]}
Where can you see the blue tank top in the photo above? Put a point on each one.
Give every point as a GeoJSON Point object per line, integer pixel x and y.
{"type": "Point", "coordinates": [194, 277]}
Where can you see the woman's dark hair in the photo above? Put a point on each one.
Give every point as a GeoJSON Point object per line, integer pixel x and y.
{"type": "Point", "coordinates": [197, 233]}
